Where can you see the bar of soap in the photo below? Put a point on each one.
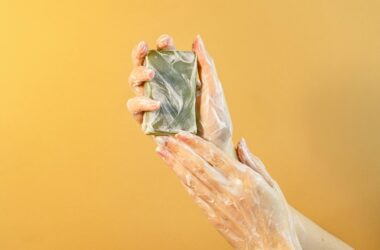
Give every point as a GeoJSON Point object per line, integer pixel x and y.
{"type": "Point", "coordinates": [174, 86]}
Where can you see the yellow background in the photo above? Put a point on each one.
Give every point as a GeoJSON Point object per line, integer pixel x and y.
{"type": "Point", "coordinates": [302, 79]}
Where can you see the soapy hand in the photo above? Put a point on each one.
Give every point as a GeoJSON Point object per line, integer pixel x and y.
{"type": "Point", "coordinates": [213, 121]}
{"type": "Point", "coordinates": [241, 201]}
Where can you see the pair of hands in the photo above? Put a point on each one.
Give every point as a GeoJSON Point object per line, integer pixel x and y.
{"type": "Point", "coordinates": [214, 123]}
{"type": "Point", "coordinates": [239, 197]}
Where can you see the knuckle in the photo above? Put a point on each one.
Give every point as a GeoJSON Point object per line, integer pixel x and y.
{"type": "Point", "coordinates": [137, 75]}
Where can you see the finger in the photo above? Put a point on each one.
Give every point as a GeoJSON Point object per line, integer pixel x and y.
{"type": "Point", "coordinates": [206, 69]}
{"type": "Point", "coordinates": [190, 178]}
{"type": "Point", "coordinates": [139, 104]}
{"type": "Point", "coordinates": [188, 158]}
{"type": "Point", "coordinates": [208, 175]}
{"type": "Point", "coordinates": [209, 152]}
{"type": "Point", "coordinates": [247, 158]}
{"type": "Point", "coordinates": [142, 104]}
{"type": "Point", "coordinates": [194, 186]}
{"type": "Point", "coordinates": [139, 75]}
{"type": "Point", "coordinates": [165, 42]}
{"type": "Point", "coordinates": [199, 48]}
{"type": "Point", "coordinates": [220, 219]}
{"type": "Point", "coordinates": [139, 53]}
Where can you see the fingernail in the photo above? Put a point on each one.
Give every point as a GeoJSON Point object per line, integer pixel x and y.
{"type": "Point", "coordinates": [163, 40]}
{"type": "Point", "coordinates": [151, 73]}
{"type": "Point", "coordinates": [142, 46]}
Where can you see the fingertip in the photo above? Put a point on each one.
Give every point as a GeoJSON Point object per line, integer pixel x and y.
{"type": "Point", "coordinates": [151, 73]}
{"type": "Point", "coordinates": [194, 45]}
{"type": "Point", "coordinates": [198, 43]}
{"type": "Point", "coordinates": [241, 146]}
{"type": "Point", "coordinates": [242, 143]}
{"type": "Point", "coordinates": [200, 50]}
{"type": "Point", "coordinates": [157, 104]}
{"type": "Point", "coordinates": [163, 37]}
{"type": "Point", "coordinates": [142, 47]}
{"type": "Point", "coordinates": [160, 150]}
{"type": "Point", "coordinates": [165, 42]}
{"type": "Point", "coordinates": [128, 104]}
{"type": "Point", "coordinates": [139, 52]}
{"type": "Point", "coordinates": [148, 104]}
{"type": "Point", "coordinates": [162, 40]}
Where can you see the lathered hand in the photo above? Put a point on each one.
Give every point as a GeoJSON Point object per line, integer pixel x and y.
{"type": "Point", "coordinates": [213, 120]}
{"type": "Point", "coordinates": [242, 203]}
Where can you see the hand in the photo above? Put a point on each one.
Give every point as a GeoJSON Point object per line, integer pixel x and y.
{"type": "Point", "coordinates": [214, 123]}
{"type": "Point", "coordinates": [245, 205]}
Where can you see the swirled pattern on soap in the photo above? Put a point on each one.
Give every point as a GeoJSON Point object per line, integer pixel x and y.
{"type": "Point", "coordinates": [174, 85]}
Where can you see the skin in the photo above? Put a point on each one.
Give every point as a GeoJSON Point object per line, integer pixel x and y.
{"type": "Point", "coordinates": [233, 188]}
{"type": "Point", "coordinates": [310, 235]}
{"type": "Point", "coordinates": [214, 122]}
{"type": "Point", "coordinates": [247, 210]}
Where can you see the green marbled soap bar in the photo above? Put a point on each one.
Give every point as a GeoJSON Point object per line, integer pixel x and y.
{"type": "Point", "coordinates": [174, 85]}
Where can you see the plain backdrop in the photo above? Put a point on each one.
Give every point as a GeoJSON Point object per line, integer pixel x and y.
{"type": "Point", "coordinates": [302, 80]}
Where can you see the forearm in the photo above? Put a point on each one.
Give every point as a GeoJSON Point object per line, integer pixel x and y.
{"type": "Point", "coordinates": [313, 237]}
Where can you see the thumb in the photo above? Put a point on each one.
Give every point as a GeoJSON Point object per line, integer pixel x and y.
{"type": "Point", "coordinates": [204, 59]}
{"type": "Point", "coordinates": [246, 157]}
{"type": "Point", "coordinates": [206, 69]}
